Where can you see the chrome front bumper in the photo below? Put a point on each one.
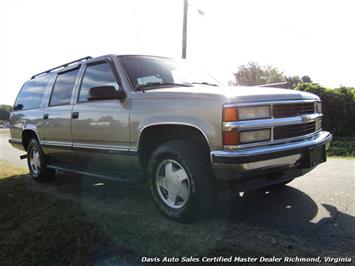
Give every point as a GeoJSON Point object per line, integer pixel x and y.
{"type": "Point", "coordinates": [235, 164]}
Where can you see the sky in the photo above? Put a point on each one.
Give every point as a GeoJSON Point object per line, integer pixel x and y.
{"type": "Point", "coordinates": [299, 37]}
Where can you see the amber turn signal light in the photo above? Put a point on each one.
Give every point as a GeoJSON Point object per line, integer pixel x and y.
{"type": "Point", "coordinates": [230, 114]}
{"type": "Point", "coordinates": [231, 137]}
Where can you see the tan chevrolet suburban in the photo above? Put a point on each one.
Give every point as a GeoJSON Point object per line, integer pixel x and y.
{"type": "Point", "coordinates": [136, 117]}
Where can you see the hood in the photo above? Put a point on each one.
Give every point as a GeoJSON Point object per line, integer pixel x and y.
{"type": "Point", "coordinates": [240, 93]}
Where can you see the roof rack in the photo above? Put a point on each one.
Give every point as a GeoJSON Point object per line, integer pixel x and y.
{"type": "Point", "coordinates": [61, 66]}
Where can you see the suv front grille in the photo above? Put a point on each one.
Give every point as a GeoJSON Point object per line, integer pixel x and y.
{"type": "Point", "coordinates": [286, 110]}
{"type": "Point", "coordinates": [284, 132]}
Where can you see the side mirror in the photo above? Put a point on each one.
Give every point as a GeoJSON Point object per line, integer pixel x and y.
{"type": "Point", "coordinates": [18, 107]}
{"type": "Point", "coordinates": [105, 93]}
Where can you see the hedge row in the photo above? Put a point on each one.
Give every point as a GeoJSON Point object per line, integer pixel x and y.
{"type": "Point", "coordinates": [338, 107]}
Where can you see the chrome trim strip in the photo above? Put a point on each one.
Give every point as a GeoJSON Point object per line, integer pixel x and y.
{"type": "Point", "coordinates": [56, 143]}
{"type": "Point", "coordinates": [271, 134]}
{"type": "Point", "coordinates": [100, 147]}
{"type": "Point", "coordinates": [321, 137]}
{"type": "Point", "coordinates": [85, 146]}
{"type": "Point", "coordinates": [15, 140]}
{"type": "Point", "coordinates": [289, 160]}
{"type": "Point", "coordinates": [264, 143]}
{"type": "Point", "coordinates": [133, 149]}
{"type": "Point", "coordinates": [272, 111]}
{"type": "Point", "coordinates": [269, 102]}
{"type": "Point", "coordinates": [272, 122]}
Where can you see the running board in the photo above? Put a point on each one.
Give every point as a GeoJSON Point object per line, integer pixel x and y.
{"type": "Point", "coordinates": [125, 177]}
{"type": "Point", "coordinates": [23, 156]}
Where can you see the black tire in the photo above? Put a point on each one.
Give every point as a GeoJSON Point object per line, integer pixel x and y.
{"type": "Point", "coordinates": [201, 181]}
{"type": "Point", "coordinates": [39, 173]}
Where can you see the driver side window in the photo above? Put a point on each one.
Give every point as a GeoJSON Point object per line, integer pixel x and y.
{"type": "Point", "coordinates": [99, 74]}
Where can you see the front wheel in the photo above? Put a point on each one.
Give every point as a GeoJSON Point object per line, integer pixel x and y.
{"type": "Point", "coordinates": [37, 162]}
{"type": "Point", "coordinates": [181, 180]}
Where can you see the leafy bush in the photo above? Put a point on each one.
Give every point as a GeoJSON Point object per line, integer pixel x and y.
{"type": "Point", "coordinates": [338, 107]}
{"type": "Point", "coordinates": [343, 146]}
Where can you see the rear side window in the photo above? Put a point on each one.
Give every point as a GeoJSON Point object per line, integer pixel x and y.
{"type": "Point", "coordinates": [96, 75]}
{"type": "Point", "coordinates": [63, 87]}
{"type": "Point", "coordinates": [31, 94]}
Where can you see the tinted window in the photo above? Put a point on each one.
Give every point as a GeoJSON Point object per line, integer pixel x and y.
{"type": "Point", "coordinates": [32, 93]}
{"type": "Point", "coordinates": [96, 75]}
{"type": "Point", "coordinates": [63, 87]}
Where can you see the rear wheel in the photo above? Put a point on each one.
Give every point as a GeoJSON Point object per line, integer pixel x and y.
{"type": "Point", "coordinates": [181, 180]}
{"type": "Point", "coordinates": [37, 162]}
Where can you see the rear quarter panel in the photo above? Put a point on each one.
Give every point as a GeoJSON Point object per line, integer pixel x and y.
{"type": "Point", "coordinates": [27, 119]}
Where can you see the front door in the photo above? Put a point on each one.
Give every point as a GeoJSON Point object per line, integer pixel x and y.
{"type": "Point", "coordinates": [100, 128]}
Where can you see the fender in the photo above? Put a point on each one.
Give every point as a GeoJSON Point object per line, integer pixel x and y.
{"type": "Point", "coordinates": [204, 127]}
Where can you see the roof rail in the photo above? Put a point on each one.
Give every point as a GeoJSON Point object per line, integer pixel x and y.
{"type": "Point", "coordinates": [61, 66]}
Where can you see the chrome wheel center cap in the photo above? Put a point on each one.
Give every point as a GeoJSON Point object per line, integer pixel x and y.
{"type": "Point", "coordinates": [173, 183]}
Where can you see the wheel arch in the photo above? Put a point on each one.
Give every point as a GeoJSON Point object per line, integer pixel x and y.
{"type": "Point", "coordinates": [153, 135]}
{"type": "Point", "coordinates": [27, 136]}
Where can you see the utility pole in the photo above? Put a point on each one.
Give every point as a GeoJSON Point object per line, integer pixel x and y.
{"type": "Point", "coordinates": [184, 29]}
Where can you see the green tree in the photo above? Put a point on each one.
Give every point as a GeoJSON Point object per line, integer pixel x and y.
{"type": "Point", "coordinates": [306, 79]}
{"type": "Point", "coordinates": [253, 74]}
{"type": "Point", "coordinates": [5, 112]}
{"type": "Point", "coordinates": [293, 81]}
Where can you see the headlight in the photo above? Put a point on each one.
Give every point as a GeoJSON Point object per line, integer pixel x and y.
{"type": "Point", "coordinates": [255, 136]}
{"type": "Point", "coordinates": [256, 112]}
{"type": "Point", "coordinates": [231, 114]}
{"type": "Point", "coordinates": [319, 107]}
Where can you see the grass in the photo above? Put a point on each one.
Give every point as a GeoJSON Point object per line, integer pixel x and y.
{"type": "Point", "coordinates": [39, 229]}
{"type": "Point", "coordinates": [76, 220]}
{"type": "Point", "coordinates": [342, 146]}
{"type": "Point", "coordinates": [7, 170]}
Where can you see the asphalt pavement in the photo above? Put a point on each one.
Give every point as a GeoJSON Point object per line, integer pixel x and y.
{"type": "Point", "coordinates": [319, 206]}
{"type": "Point", "coordinates": [7, 152]}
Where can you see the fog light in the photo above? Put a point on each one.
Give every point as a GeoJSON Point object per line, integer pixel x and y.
{"type": "Point", "coordinates": [255, 136]}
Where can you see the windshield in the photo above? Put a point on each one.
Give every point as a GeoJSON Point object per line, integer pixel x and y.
{"type": "Point", "coordinates": [154, 72]}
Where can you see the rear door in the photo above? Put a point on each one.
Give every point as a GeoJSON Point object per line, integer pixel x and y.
{"type": "Point", "coordinates": [57, 116]}
{"type": "Point", "coordinates": [100, 128]}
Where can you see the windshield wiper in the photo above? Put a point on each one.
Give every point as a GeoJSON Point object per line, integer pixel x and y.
{"type": "Point", "coordinates": [206, 83]}
{"type": "Point", "coordinates": [160, 84]}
